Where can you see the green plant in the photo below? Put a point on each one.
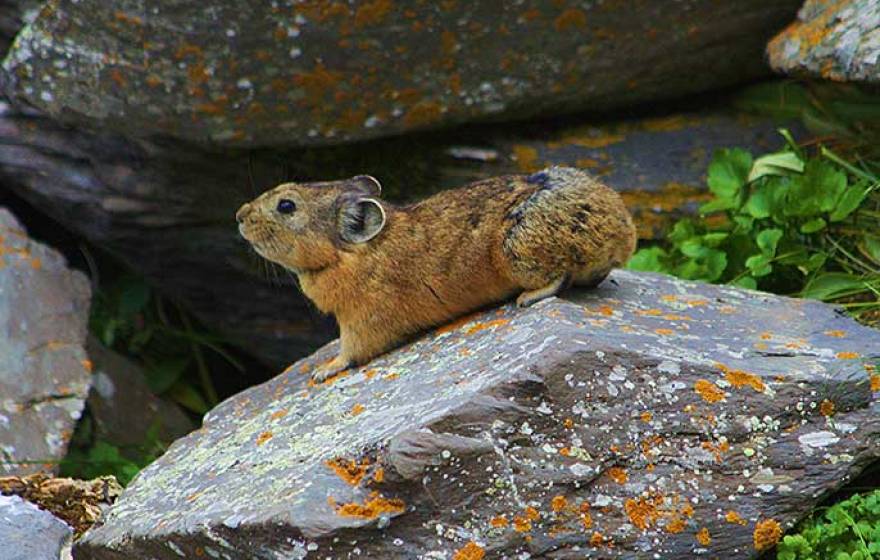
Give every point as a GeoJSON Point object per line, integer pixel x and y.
{"type": "Point", "coordinates": [788, 222]}
{"type": "Point", "coordinates": [848, 530]}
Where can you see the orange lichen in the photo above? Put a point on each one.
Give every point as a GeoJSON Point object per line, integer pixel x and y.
{"type": "Point", "coordinates": [349, 470]}
{"type": "Point", "coordinates": [708, 391]}
{"type": "Point", "coordinates": [371, 13]}
{"type": "Point", "coordinates": [618, 475]}
{"type": "Point", "coordinates": [586, 520]}
{"type": "Point", "coordinates": [596, 539]}
{"type": "Point", "coordinates": [664, 332]}
{"type": "Point", "coordinates": [486, 325]}
{"type": "Point", "coordinates": [87, 365]}
{"type": "Point", "coordinates": [767, 534]}
{"type": "Point", "coordinates": [650, 312]}
{"type": "Point", "coordinates": [521, 524]}
{"type": "Point", "coordinates": [357, 409]}
{"type": "Point", "coordinates": [826, 408]}
{"type": "Point", "coordinates": [875, 383]}
{"type": "Point", "coordinates": [526, 158]}
{"type": "Point", "coordinates": [264, 437]}
{"type": "Point", "coordinates": [675, 525]}
{"type": "Point", "coordinates": [372, 507]}
{"type": "Point", "coordinates": [379, 475]}
{"type": "Point", "coordinates": [703, 537]}
{"type": "Point", "coordinates": [532, 514]}
{"type": "Point", "coordinates": [646, 416]}
{"type": "Point", "coordinates": [558, 503]}
{"type": "Point", "coordinates": [318, 82]}
{"type": "Point", "coordinates": [422, 113]}
{"type": "Point", "coordinates": [565, 451]}
{"type": "Point", "coordinates": [739, 378]}
{"type": "Point", "coordinates": [499, 521]}
{"type": "Point", "coordinates": [571, 18]}
{"type": "Point", "coordinates": [835, 333]}
{"type": "Point", "coordinates": [734, 517]}
{"type": "Point", "coordinates": [278, 414]}
{"type": "Point", "coordinates": [848, 355]}
{"type": "Point", "coordinates": [687, 510]}
{"type": "Point", "coordinates": [642, 512]}
{"type": "Point", "coordinates": [568, 423]}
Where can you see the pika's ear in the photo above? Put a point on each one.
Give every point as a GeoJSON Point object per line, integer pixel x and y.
{"type": "Point", "coordinates": [360, 219]}
{"type": "Point", "coordinates": [368, 183]}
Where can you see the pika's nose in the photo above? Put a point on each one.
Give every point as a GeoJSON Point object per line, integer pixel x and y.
{"type": "Point", "coordinates": [242, 212]}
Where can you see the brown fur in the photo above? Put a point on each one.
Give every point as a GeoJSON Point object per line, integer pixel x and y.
{"type": "Point", "coordinates": [442, 257]}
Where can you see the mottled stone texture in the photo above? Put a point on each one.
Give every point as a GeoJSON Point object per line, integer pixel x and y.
{"type": "Point", "coordinates": [836, 40]}
{"type": "Point", "coordinates": [296, 73]}
{"type": "Point", "coordinates": [649, 416]}
{"type": "Point", "coordinates": [44, 372]}
{"type": "Point", "coordinates": [29, 533]}
{"type": "Point", "coordinates": [167, 209]}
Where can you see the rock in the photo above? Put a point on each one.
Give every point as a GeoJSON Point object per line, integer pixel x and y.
{"type": "Point", "coordinates": [167, 209]}
{"type": "Point", "coordinates": [29, 533]}
{"type": "Point", "coordinates": [650, 417]}
{"type": "Point", "coordinates": [123, 408]}
{"type": "Point", "coordinates": [14, 14]}
{"type": "Point", "coordinates": [315, 73]}
{"type": "Point", "coordinates": [832, 40]}
{"type": "Point", "coordinates": [44, 371]}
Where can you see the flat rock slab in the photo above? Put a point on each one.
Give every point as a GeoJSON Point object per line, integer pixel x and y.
{"type": "Point", "coordinates": [832, 40]}
{"type": "Point", "coordinates": [29, 533]}
{"type": "Point", "coordinates": [295, 73]}
{"type": "Point", "coordinates": [168, 209]}
{"type": "Point", "coordinates": [44, 370]}
{"type": "Point", "coordinates": [648, 416]}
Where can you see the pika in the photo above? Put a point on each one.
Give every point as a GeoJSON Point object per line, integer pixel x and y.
{"type": "Point", "coordinates": [389, 272]}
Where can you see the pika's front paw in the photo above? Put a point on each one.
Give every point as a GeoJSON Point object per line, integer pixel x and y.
{"type": "Point", "coordinates": [331, 368]}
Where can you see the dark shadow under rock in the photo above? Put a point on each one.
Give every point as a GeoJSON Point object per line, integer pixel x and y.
{"type": "Point", "coordinates": [648, 416]}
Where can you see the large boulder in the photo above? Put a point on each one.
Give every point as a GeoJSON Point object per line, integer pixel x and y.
{"type": "Point", "coordinates": [294, 73]}
{"type": "Point", "coordinates": [44, 370]}
{"type": "Point", "coordinates": [649, 418]}
{"type": "Point", "coordinates": [833, 40]}
{"type": "Point", "coordinates": [167, 209]}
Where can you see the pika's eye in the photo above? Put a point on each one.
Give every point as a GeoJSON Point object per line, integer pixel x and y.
{"type": "Point", "coordinates": [286, 206]}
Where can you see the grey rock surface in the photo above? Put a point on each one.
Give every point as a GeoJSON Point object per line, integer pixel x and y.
{"type": "Point", "coordinates": [44, 370]}
{"type": "Point", "coordinates": [122, 406]}
{"type": "Point", "coordinates": [648, 416]}
{"type": "Point", "coordinates": [29, 533]}
{"type": "Point", "coordinates": [167, 209]}
{"type": "Point", "coordinates": [293, 73]}
{"type": "Point", "coordinates": [837, 41]}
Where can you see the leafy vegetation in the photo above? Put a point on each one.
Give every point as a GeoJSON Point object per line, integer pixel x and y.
{"type": "Point", "coordinates": [849, 530]}
{"type": "Point", "coordinates": [786, 222]}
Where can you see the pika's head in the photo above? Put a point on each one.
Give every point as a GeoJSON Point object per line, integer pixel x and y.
{"type": "Point", "coordinates": [303, 226]}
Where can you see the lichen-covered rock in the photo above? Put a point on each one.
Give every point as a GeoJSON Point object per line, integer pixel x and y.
{"type": "Point", "coordinates": [44, 371]}
{"type": "Point", "coordinates": [649, 418]}
{"type": "Point", "coordinates": [837, 40]}
{"type": "Point", "coordinates": [30, 533]}
{"type": "Point", "coordinates": [167, 209]}
{"type": "Point", "coordinates": [295, 73]}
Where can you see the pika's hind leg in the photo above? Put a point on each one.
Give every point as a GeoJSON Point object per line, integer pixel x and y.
{"type": "Point", "coordinates": [530, 297]}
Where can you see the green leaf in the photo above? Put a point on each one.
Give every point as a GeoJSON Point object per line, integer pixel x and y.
{"type": "Point", "coordinates": [163, 375]}
{"type": "Point", "coordinates": [816, 191]}
{"type": "Point", "coordinates": [768, 239]}
{"type": "Point", "coordinates": [648, 260]}
{"type": "Point", "coordinates": [759, 265]}
{"type": "Point", "coordinates": [779, 163]}
{"type": "Point", "coordinates": [714, 239]}
{"type": "Point", "coordinates": [746, 282]}
{"type": "Point", "coordinates": [682, 231]}
{"type": "Point", "coordinates": [832, 285]}
{"type": "Point", "coordinates": [850, 200]}
{"type": "Point", "coordinates": [813, 263]}
{"type": "Point", "coordinates": [743, 223]}
{"type": "Point", "coordinates": [871, 248]}
{"type": "Point", "coordinates": [729, 172]}
{"type": "Point", "coordinates": [814, 225]}
{"type": "Point", "coordinates": [186, 395]}
{"type": "Point", "coordinates": [718, 205]}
